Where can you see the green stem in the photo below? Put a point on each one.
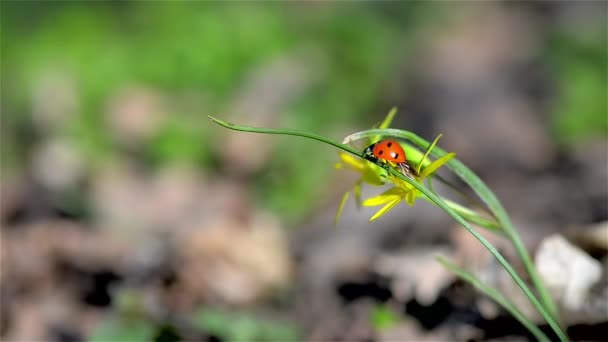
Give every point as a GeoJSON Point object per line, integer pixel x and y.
{"type": "Point", "coordinates": [488, 197]}
{"type": "Point", "coordinates": [496, 296]}
{"type": "Point", "coordinates": [505, 264]}
{"type": "Point", "coordinates": [472, 216]}
{"type": "Point", "coordinates": [469, 214]}
{"type": "Point", "coordinates": [286, 132]}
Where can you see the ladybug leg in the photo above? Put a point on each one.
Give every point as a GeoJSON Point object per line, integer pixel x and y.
{"type": "Point", "coordinates": [413, 170]}
{"type": "Point", "coordinates": [402, 168]}
{"type": "Point", "coordinates": [407, 170]}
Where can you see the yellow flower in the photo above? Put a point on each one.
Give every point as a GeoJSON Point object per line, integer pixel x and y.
{"type": "Point", "coordinates": [404, 191]}
{"type": "Point", "coordinates": [370, 172]}
{"type": "Point", "coordinates": [377, 176]}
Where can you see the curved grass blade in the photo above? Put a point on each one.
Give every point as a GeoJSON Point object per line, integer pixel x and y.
{"type": "Point", "coordinates": [294, 132]}
{"type": "Point", "coordinates": [496, 296]}
{"type": "Point", "coordinates": [438, 201]}
{"type": "Point", "coordinates": [503, 262]}
{"type": "Point", "coordinates": [473, 216]}
{"type": "Point", "coordinates": [486, 195]}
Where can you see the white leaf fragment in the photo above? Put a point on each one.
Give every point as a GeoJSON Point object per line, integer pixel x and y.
{"type": "Point", "coordinates": [568, 271]}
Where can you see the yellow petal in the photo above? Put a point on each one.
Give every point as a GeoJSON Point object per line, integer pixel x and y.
{"type": "Point", "coordinates": [385, 209]}
{"type": "Point", "coordinates": [437, 164]}
{"type": "Point", "coordinates": [341, 207]}
{"type": "Point", "coordinates": [384, 197]}
{"type": "Point", "coordinates": [394, 191]}
{"type": "Point", "coordinates": [372, 174]}
{"type": "Point", "coordinates": [379, 200]}
{"type": "Point", "coordinates": [352, 161]}
{"type": "Point", "coordinates": [405, 186]}
{"type": "Point", "coordinates": [410, 197]}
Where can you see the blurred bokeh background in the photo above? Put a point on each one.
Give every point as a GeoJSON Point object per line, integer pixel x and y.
{"type": "Point", "coordinates": [127, 215]}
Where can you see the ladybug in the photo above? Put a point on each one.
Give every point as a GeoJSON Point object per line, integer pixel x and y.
{"type": "Point", "coordinates": [390, 151]}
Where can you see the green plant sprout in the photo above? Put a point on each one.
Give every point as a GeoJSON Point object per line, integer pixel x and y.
{"type": "Point", "coordinates": [375, 172]}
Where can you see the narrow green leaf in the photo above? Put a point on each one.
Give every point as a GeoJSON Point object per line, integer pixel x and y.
{"type": "Point", "coordinates": [473, 216]}
{"type": "Point", "coordinates": [505, 264]}
{"type": "Point", "coordinates": [293, 132]}
{"type": "Point", "coordinates": [496, 296]}
{"type": "Point", "coordinates": [460, 169]}
{"type": "Point", "coordinates": [487, 196]}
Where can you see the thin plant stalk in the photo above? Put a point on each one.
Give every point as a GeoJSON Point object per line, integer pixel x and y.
{"type": "Point", "coordinates": [496, 296]}
{"type": "Point", "coordinates": [505, 264]}
{"type": "Point", "coordinates": [488, 197]}
{"type": "Point", "coordinates": [494, 205]}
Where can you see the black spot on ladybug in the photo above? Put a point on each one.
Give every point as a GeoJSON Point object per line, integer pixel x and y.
{"type": "Point", "coordinates": [389, 144]}
{"type": "Point", "coordinates": [396, 155]}
{"type": "Point", "coordinates": [380, 153]}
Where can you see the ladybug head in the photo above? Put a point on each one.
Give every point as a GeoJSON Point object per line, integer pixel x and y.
{"type": "Point", "coordinates": [369, 152]}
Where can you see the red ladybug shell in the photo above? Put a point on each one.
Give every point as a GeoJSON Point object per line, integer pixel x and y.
{"type": "Point", "coordinates": [389, 150]}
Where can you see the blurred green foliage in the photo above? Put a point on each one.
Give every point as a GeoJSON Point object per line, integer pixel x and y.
{"type": "Point", "coordinates": [130, 322]}
{"type": "Point", "coordinates": [581, 108]}
{"type": "Point", "coordinates": [115, 329]}
{"type": "Point", "coordinates": [227, 326]}
{"type": "Point", "coordinates": [207, 48]}
{"type": "Point", "coordinates": [232, 326]}
{"type": "Point", "coordinates": [197, 55]}
{"type": "Point", "coordinates": [383, 317]}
